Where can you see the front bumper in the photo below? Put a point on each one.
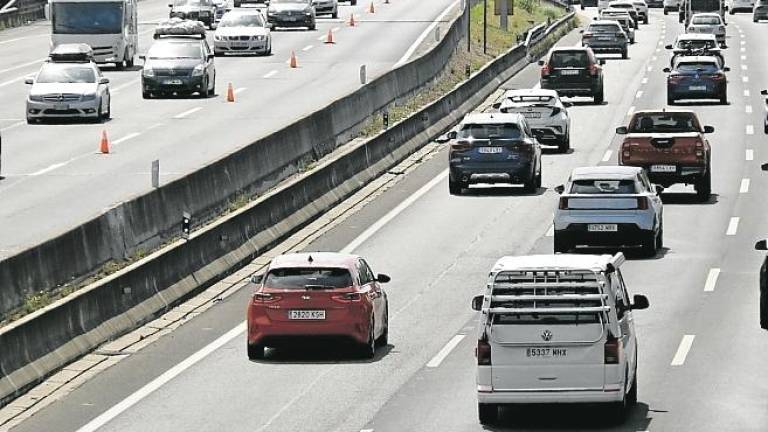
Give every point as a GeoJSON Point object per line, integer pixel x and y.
{"type": "Point", "coordinates": [514, 171]}
{"type": "Point", "coordinates": [293, 21]}
{"type": "Point", "coordinates": [249, 46]}
{"type": "Point", "coordinates": [175, 84]}
{"type": "Point", "coordinates": [551, 396]}
{"type": "Point", "coordinates": [582, 88]}
{"type": "Point", "coordinates": [81, 109]}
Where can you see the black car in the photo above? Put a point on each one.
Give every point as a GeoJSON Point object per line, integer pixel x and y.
{"type": "Point", "coordinates": [573, 72]}
{"type": "Point", "coordinates": [493, 148]}
{"type": "Point", "coordinates": [292, 13]}
{"type": "Point", "coordinates": [697, 77]}
{"type": "Point", "coordinates": [765, 122]}
{"type": "Point", "coordinates": [198, 10]}
{"type": "Point", "coordinates": [179, 62]}
{"type": "Point", "coordinates": [606, 37]}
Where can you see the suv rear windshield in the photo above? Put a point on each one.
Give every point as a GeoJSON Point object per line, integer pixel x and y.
{"type": "Point", "coordinates": [604, 28]}
{"type": "Point", "coordinates": [488, 131]}
{"type": "Point", "coordinates": [695, 44]}
{"type": "Point", "coordinates": [603, 187]}
{"type": "Point", "coordinates": [664, 122]}
{"type": "Point", "coordinates": [697, 67]}
{"type": "Point", "coordinates": [304, 278]}
{"type": "Point", "coordinates": [175, 50]}
{"type": "Point", "coordinates": [569, 59]}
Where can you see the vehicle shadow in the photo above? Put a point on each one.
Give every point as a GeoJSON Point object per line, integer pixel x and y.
{"type": "Point", "coordinates": [687, 198]}
{"type": "Point", "coordinates": [321, 353]}
{"type": "Point", "coordinates": [507, 190]}
{"type": "Point", "coordinates": [134, 68]}
{"type": "Point", "coordinates": [632, 253]}
{"type": "Point", "coordinates": [583, 417]}
{"type": "Point", "coordinates": [555, 152]}
{"type": "Point", "coordinates": [694, 103]}
{"type": "Point", "coordinates": [585, 102]}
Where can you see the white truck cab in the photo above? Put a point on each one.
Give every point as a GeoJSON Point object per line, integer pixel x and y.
{"type": "Point", "coordinates": [556, 329]}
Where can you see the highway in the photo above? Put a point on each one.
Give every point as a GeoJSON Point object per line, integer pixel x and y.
{"type": "Point", "coordinates": [56, 166]}
{"type": "Point", "coordinates": [701, 351]}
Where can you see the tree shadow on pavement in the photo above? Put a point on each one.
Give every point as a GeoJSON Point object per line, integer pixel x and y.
{"type": "Point", "coordinates": [568, 417]}
{"type": "Point", "coordinates": [332, 352]}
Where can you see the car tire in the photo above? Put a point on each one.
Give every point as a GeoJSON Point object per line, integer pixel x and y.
{"type": "Point", "coordinates": [313, 26]}
{"type": "Point", "coordinates": [565, 144]}
{"type": "Point", "coordinates": [335, 14]}
{"type": "Point", "coordinates": [353, 2]}
{"type": "Point", "coordinates": [670, 100]}
{"type": "Point", "coordinates": [487, 413]}
{"type": "Point", "coordinates": [146, 95]}
{"type": "Point", "coordinates": [30, 120]}
{"type": "Point", "coordinates": [666, 12]}
{"type": "Point", "coordinates": [703, 186]}
{"type": "Point", "coordinates": [660, 237]}
{"type": "Point", "coordinates": [632, 395]}
{"type": "Point", "coordinates": [724, 98]}
{"type": "Point", "coordinates": [765, 128]}
{"type": "Point", "coordinates": [368, 349]}
{"type": "Point", "coordinates": [649, 244]}
{"type": "Point", "coordinates": [455, 187]}
{"type": "Point", "coordinates": [617, 412]}
{"type": "Point", "coordinates": [600, 97]}
{"type": "Point", "coordinates": [383, 339]}
{"type": "Point", "coordinates": [218, 53]}
{"type": "Point", "coordinates": [108, 114]}
{"type": "Point", "coordinates": [625, 54]}
{"type": "Point", "coordinates": [269, 49]}
{"type": "Point", "coordinates": [645, 21]}
{"type": "Point", "coordinates": [560, 245]}
{"type": "Point", "coordinates": [255, 352]}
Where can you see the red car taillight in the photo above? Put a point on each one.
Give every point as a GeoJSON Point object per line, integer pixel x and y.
{"type": "Point", "coordinates": [262, 298]}
{"type": "Point", "coordinates": [718, 77]}
{"type": "Point", "coordinates": [642, 203]}
{"type": "Point", "coordinates": [545, 70]}
{"type": "Point", "coordinates": [348, 297]}
{"type": "Point", "coordinates": [674, 79]}
{"type": "Point", "coordinates": [563, 205]}
{"type": "Point", "coordinates": [625, 153]}
{"type": "Point", "coordinates": [483, 353]}
{"type": "Point", "coordinates": [612, 350]}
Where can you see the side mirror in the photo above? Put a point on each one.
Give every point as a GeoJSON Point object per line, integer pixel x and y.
{"type": "Point", "coordinates": [601, 62]}
{"type": "Point", "coordinates": [447, 137]}
{"type": "Point", "coordinates": [669, 47]}
{"type": "Point", "coordinates": [29, 80]}
{"type": "Point", "coordinates": [726, 69]}
{"type": "Point", "coordinates": [764, 92]}
{"type": "Point", "coordinates": [666, 70]}
{"type": "Point", "coordinates": [103, 80]}
{"type": "Point", "coordinates": [761, 245]}
{"type": "Point", "coordinates": [381, 277]}
{"type": "Point", "coordinates": [496, 105]}
{"type": "Point", "coordinates": [639, 302]}
{"type": "Point", "coordinates": [211, 56]}
{"type": "Point", "coordinates": [723, 46]}
{"type": "Point", "coordinates": [622, 130]}
{"type": "Point", "coordinates": [567, 104]}
{"type": "Point", "coordinates": [257, 278]}
{"type": "Point", "coordinates": [764, 167]}
{"type": "Point", "coordinates": [477, 302]}
{"type": "Point", "coordinates": [560, 189]}
{"type": "Point", "coordinates": [659, 189]}
{"type": "Point", "coordinates": [581, 31]}
{"type": "Point", "coordinates": [170, 5]}
{"type": "Point", "coordinates": [143, 57]}
{"type": "Point", "coordinates": [541, 63]}
{"type": "Point", "coordinates": [709, 129]}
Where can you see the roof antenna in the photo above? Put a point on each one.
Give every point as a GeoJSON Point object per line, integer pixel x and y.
{"type": "Point", "coordinates": [310, 260]}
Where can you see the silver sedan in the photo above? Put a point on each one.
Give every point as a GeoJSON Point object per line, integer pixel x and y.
{"type": "Point", "coordinates": [243, 31]}
{"type": "Point", "coordinates": [68, 90]}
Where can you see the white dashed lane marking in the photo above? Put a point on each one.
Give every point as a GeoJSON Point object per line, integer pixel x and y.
{"type": "Point", "coordinates": [682, 350]}
{"type": "Point", "coordinates": [733, 226]}
{"type": "Point", "coordinates": [750, 130]}
{"type": "Point", "coordinates": [270, 74]}
{"type": "Point", "coordinates": [187, 113]}
{"type": "Point", "coordinates": [748, 109]}
{"type": "Point", "coordinates": [749, 154]}
{"type": "Point", "coordinates": [440, 356]}
{"type": "Point", "coordinates": [607, 155]}
{"type": "Point", "coordinates": [709, 285]}
{"type": "Point", "coordinates": [744, 187]}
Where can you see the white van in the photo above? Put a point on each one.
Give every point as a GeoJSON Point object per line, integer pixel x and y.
{"type": "Point", "coordinates": [556, 329]}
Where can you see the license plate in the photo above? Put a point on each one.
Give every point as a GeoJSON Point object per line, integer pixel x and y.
{"type": "Point", "coordinates": [546, 352]}
{"type": "Point", "coordinates": [697, 88]}
{"type": "Point", "coordinates": [532, 114]}
{"type": "Point", "coordinates": [291, 18]}
{"type": "Point", "coordinates": [306, 314]}
{"type": "Point", "coordinates": [172, 82]}
{"type": "Point", "coordinates": [60, 106]}
{"type": "Point", "coordinates": [569, 72]}
{"type": "Point", "coordinates": [489, 150]}
{"type": "Point", "coordinates": [664, 168]}
{"type": "Point", "coordinates": [239, 44]}
{"type": "Point", "coordinates": [604, 38]}
{"type": "Point", "coordinates": [602, 228]}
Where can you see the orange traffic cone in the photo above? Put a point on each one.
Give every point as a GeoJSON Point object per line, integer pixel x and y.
{"type": "Point", "coordinates": [104, 145]}
{"type": "Point", "coordinates": [293, 63]}
{"type": "Point", "coordinates": [371, 9]}
{"type": "Point", "coordinates": [230, 93]}
{"type": "Point", "coordinates": [329, 37]}
{"type": "Point", "coordinates": [352, 20]}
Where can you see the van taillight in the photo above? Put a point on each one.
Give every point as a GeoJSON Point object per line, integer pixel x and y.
{"type": "Point", "coordinates": [260, 298]}
{"type": "Point", "coordinates": [563, 205]}
{"type": "Point", "coordinates": [612, 350]}
{"type": "Point", "coordinates": [483, 353]}
{"type": "Point", "coordinates": [545, 70]}
{"type": "Point", "coordinates": [642, 203]}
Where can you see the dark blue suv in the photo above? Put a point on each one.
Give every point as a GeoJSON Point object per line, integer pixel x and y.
{"type": "Point", "coordinates": [697, 77]}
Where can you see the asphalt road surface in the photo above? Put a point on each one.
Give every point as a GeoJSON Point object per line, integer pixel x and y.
{"type": "Point", "coordinates": [701, 353]}
{"type": "Point", "coordinates": [55, 178]}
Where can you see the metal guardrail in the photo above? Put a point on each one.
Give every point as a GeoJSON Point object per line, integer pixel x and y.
{"type": "Point", "coordinates": [14, 13]}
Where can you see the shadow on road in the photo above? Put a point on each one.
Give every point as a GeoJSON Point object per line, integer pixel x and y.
{"type": "Point", "coordinates": [332, 352]}
{"type": "Point", "coordinates": [687, 198]}
{"type": "Point", "coordinates": [506, 190]}
{"type": "Point", "coordinates": [568, 417]}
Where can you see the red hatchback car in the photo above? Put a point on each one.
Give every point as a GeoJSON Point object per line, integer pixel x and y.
{"type": "Point", "coordinates": [318, 294]}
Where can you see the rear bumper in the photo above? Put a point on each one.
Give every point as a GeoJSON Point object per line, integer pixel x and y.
{"type": "Point", "coordinates": [679, 92]}
{"type": "Point", "coordinates": [628, 234]}
{"type": "Point", "coordinates": [266, 330]}
{"type": "Point", "coordinates": [285, 22]}
{"type": "Point", "coordinates": [551, 396]}
{"type": "Point", "coordinates": [606, 46]}
{"type": "Point", "coordinates": [685, 174]}
{"type": "Point", "coordinates": [548, 135]}
{"type": "Point", "coordinates": [515, 172]}
{"type": "Point", "coordinates": [584, 88]}
{"type": "Point", "coordinates": [187, 85]}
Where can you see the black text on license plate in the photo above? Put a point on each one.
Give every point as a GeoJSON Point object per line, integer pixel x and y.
{"type": "Point", "coordinates": [172, 82]}
{"type": "Point", "coordinates": [489, 150]}
{"type": "Point", "coordinates": [306, 314]}
{"type": "Point", "coordinates": [602, 228]}
{"type": "Point", "coordinates": [546, 352]}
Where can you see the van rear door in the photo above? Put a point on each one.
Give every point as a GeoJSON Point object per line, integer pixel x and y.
{"type": "Point", "coordinates": [547, 331]}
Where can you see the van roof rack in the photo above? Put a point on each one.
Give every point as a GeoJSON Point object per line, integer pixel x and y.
{"type": "Point", "coordinates": [71, 53]}
{"type": "Point", "coordinates": [177, 27]}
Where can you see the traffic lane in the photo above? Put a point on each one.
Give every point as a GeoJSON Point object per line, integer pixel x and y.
{"type": "Point", "coordinates": [245, 120]}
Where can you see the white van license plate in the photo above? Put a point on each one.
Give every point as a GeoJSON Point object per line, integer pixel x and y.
{"type": "Point", "coordinates": [306, 314]}
{"type": "Point", "coordinates": [546, 352]}
{"type": "Point", "coordinates": [602, 228]}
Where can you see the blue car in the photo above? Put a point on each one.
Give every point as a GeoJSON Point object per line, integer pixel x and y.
{"type": "Point", "coordinates": [697, 77]}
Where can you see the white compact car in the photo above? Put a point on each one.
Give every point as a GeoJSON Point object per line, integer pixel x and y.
{"type": "Point", "coordinates": [642, 10]}
{"type": "Point", "coordinates": [557, 329]}
{"type": "Point", "coordinates": [671, 6]}
{"type": "Point", "coordinates": [739, 5]}
{"type": "Point", "coordinates": [623, 18]}
{"type": "Point", "coordinates": [609, 206]}
{"type": "Point", "coordinates": [242, 31]}
{"type": "Point", "coordinates": [708, 23]}
{"type": "Point", "coordinates": [545, 113]}
{"type": "Point", "coordinates": [326, 7]}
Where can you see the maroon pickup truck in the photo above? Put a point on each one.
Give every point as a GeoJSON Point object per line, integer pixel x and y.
{"type": "Point", "coordinates": [671, 146]}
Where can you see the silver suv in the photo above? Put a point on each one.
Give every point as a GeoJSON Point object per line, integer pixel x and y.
{"type": "Point", "coordinates": [605, 36]}
{"type": "Point", "coordinates": [556, 329]}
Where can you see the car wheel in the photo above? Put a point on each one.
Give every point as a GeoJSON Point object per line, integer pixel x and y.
{"type": "Point", "coordinates": [487, 413]}
{"type": "Point", "coordinates": [618, 411]}
{"type": "Point", "coordinates": [600, 97]}
{"type": "Point", "coordinates": [648, 246]}
{"type": "Point", "coordinates": [455, 187]}
{"type": "Point", "coordinates": [724, 98]}
{"type": "Point", "coordinates": [645, 21]}
{"type": "Point", "coordinates": [353, 2]}
{"type": "Point", "coordinates": [666, 12]}
{"type": "Point", "coordinates": [765, 128]}
{"type": "Point", "coordinates": [625, 54]}
{"type": "Point", "coordinates": [269, 49]}
{"type": "Point", "coordinates": [537, 182]}
{"type": "Point", "coordinates": [632, 395]}
{"type": "Point", "coordinates": [218, 53]}
{"type": "Point", "coordinates": [335, 14]}
{"type": "Point", "coordinates": [565, 144]}
{"type": "Point", "coordinates": [146, 95]}
{"type": "Point", "coordinates": [703, 187]}
{"type": "Point", "coordinates": [383, 339]}
{"type": "Point", "coordinates": [561, 245]}
{"type": "Point", "coordinates": [368, 350]}
{"type": "Point", "coordinates": [255, 351]}
{"type": "Point", "coordinates": [660, 238]}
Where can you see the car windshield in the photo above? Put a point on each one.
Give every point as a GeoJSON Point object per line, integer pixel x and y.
{"type": "Point", "coordinates": [250, 20]}
{"type": "Point", "coordinates": [308, 278]}
{"type": "Point", "coordinates": [664, 122]}
{"type": "Point", "coordinates": [706, 20]}
{"type": "Point", "coordinates": [87, 18]}
{"type": "Point", "coordinates": [175, 50]}
{"type": "Point", "coordinates": [593, 186]}
{"type": "Point", "coordinates": [66, 73]}
{"type": "Point", "coordinates": [489, 131]}
{"type": "Point", "coordinates": [604, 28]}
{"type": "Point", "coordinates": [569, 59]}
{"type": "Point", "coordinates": [696, 44]}
{"type": "Point", "coordinates": [697, 67]}
{"type": "Point", "coordinates": [192, 3]}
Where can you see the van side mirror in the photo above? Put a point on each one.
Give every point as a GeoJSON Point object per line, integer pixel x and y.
{"type": "Point", "coordinates": [639, 302]}
{"type": "Point", "coordinates": [560, 189]}
{"type": "Point", "coordinates": [477, 302]}
{"type": "Point", "coordinates": [764, 92]}
{"type": "Point", "coordinates": [447, 137]}
{"type": "Point", "coordinates": [622, 130]}
{"type": "Point", "coordinates": [170, 5]}
{"type": "Point", "coordinates": [381, 277]}
{"type": "Point", "coordinates": [29, 80]}
{"type": "Point", "coordinates": [257, 278]}
{"type": "Point", "coordinates": [496, 105]}
{"type": "Point", "coordinates": [726, 69]}
{"type": "Point", "coordinates": [709, 129]}
{"type": "Point", "coordinates": [761, 245]}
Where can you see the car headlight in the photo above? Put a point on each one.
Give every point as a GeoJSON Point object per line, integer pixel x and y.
{"type": "Point", "coordinates": [36, 98]}
{"type": "Point", "coordinates": [89, 96]}
{"type": "Point", "coordinates": [198, 71]}
{"type": "Point", "coordinates": [148, 72]}
{"type": "Point", "coordinates": [217, 38]}
{"type": "Point", "coordinates": [307, 11]}
{"type": "Point", "coordinates": [259, 37]}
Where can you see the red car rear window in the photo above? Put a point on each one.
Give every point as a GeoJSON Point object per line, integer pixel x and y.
{"type": "Point", "coordinates": [308, 278]}
{"type": "Point", "coordinates": [664, 122]}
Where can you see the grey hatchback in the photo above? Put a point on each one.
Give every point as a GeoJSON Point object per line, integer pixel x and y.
{"type": "Point", "coordinates": [606, 36]}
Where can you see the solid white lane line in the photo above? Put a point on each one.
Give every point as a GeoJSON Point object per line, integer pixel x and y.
{"type": "Point", "coordinates": [424, 35]}
{"type": "Point", "coordinates": [307, 48]}
{"type": "Point", "coordinates": [13, 126]}
{"type": "Point", "coordinates": [631, 111]}
{"type": "Point", "coordinates": [335, 29]}
{"type": "Point", "coordinates": [270, 74]}
{"type": "Point", "coordinates": [158, 382]}
{"type": "Point", "coordinates": [440, 356]}
{"type": "Point", "coordinates": [23, 65]}
{"type": "Point", "coordinates": [744, 187]}
{"type": "Point", "coordinates": [654, 58]}
{"type": "Point", "coordinates": [607, 155]}
{"type": "Point", "coordinates": [379, 224]}
{"type": "Point", "coordinates": [743, 42]}
{"type": "Point", "coordinates": [743, 49]}
{"type": "Point", "coordinates": [126, 138]}
{"type": "Point", "coordinates": [187, 112]}
{"type": "Point", "coordinates": [709, 285]}
{"type": "Point", "coordinates": [682, 350]}
{"type": "Point", "coordinates": [749, 154]}
{"type": "Point", "coordinates": [750, 130]}
{"type": "Point", "coordinates": [748, 109]}
{"type": "Point", "coordinates": [49, 168]}
{"type": "Point", "coordinates": [650, 68]}
{"type": "Point", "coordinates": [12, 81]}
{"type": "Point", "coordinates": [733, 226]}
